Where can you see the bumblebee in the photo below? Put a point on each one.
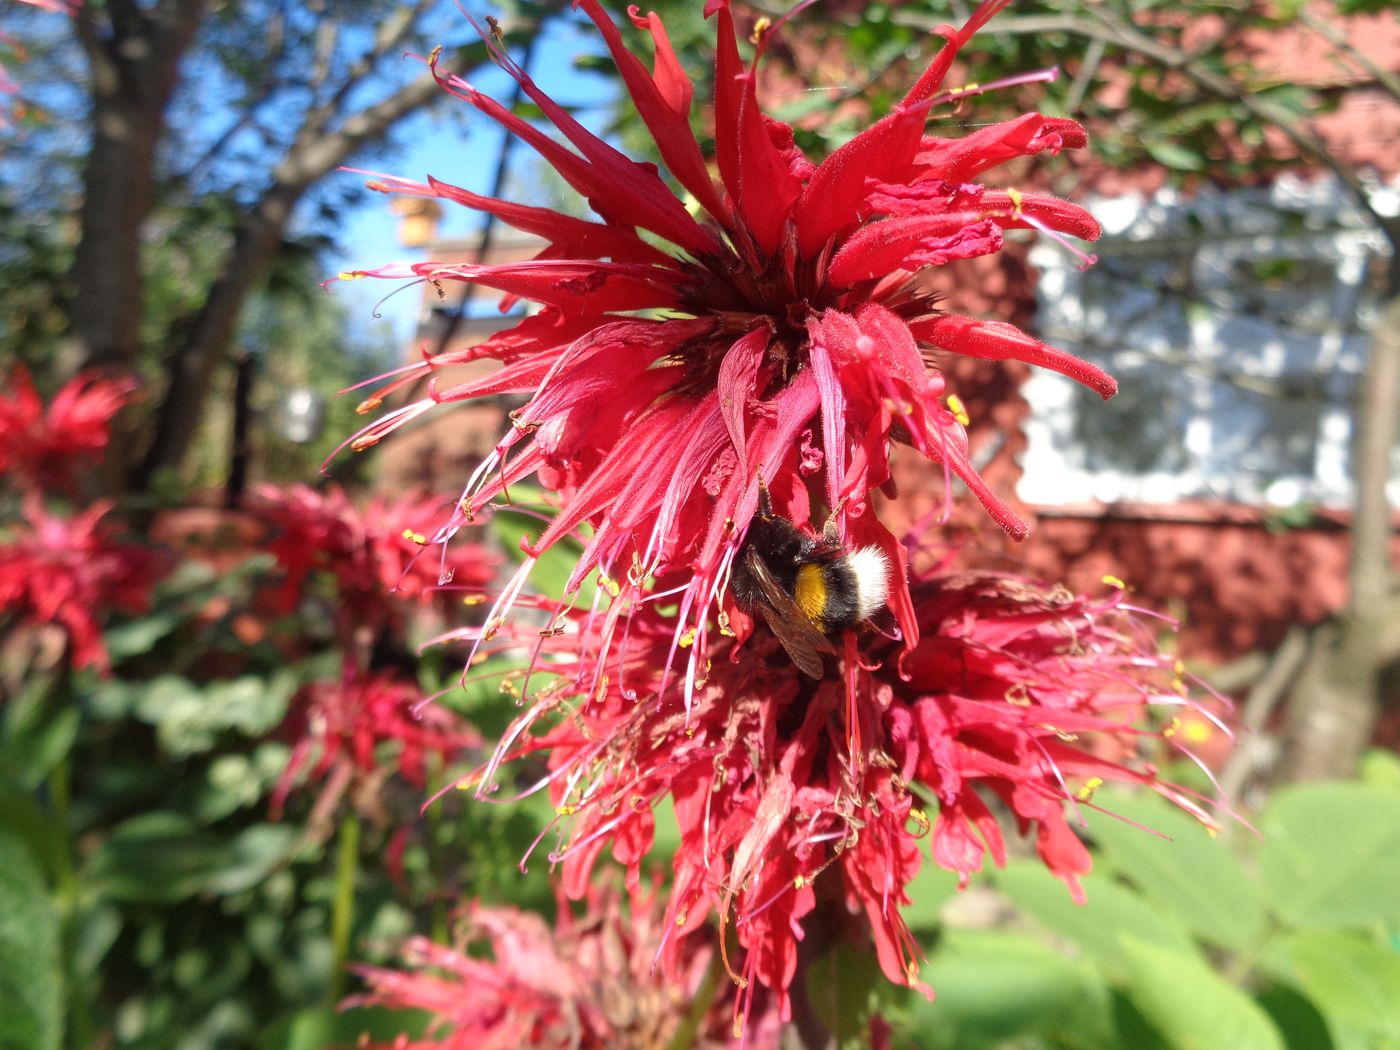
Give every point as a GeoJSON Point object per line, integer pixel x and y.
{"type": "Point", "coordinates": [807, 589]}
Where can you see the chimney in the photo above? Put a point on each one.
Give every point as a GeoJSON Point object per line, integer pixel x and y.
{"type": "Point", "coordinates": [418, 220]}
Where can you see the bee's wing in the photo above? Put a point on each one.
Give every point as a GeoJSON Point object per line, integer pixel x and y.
{"type": "Point", "coordinates": [803, 642]}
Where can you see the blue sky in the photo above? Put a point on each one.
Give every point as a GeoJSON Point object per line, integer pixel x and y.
{"type": "Point", "coordinates": [442, 147]}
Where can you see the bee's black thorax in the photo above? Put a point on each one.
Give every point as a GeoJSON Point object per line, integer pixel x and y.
{"type": "Point", "coordinates": [779, 544]}
{"type": "Point", "coordinates": [785, 551]}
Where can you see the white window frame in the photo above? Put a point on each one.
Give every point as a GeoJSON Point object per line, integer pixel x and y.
{"type": "Point", "coordinates": [1233, 226]}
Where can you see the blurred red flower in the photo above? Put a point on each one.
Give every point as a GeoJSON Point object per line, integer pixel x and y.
{"type": "Point", "coordinates": [787, 330]}
{"type": "Point", "coordinates": [588, 983]}
{"type": "Point", "coordinates": [44, 448]}
{"type": "Point", "coordinates": [72, 572]}
{"type": "Point", "coordinates": [60, 7]}
{"type": "Point", "coordinates": [378, 557]}
{"type": "Point", "coordinates": [1015, 697]}
{"type": "Point", "coordinates": [356, 731]}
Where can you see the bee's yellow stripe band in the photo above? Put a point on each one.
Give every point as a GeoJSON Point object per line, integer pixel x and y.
{"type": "Point", "coordinates": [811, 593]}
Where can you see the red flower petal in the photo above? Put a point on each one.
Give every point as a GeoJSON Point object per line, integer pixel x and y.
{"type": "Point", "coordinates": [997, 341]}
{"type": "Point", "coordinates": [663, 102]}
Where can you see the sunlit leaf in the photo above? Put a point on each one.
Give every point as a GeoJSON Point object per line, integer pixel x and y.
{"type": "Point", "coordinates": [1354, 981]}
{"type": "Point", "coordinates": [31, 979]}
{"type": "Point", "coordinates": [1194, 876]}
{"type": "Point", "coordinates": [1381, 769]}
{"type": "Point", "coordinates": [1192, 1006]}
{"type": "Point", "coordinates": [164, 857]}
{"type": "Point", "coordinates": [1171, 155]}
{"type": "Point", "coordinates": [993, 986]}
{"type": "Point", "coordinates": [1331, 854]}
{"type": "Point", "coordinates": [1095, 926]}
{"type": "Point", "coordinates": [928, 891]}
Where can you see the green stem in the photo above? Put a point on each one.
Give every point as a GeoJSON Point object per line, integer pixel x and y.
{"type": "Point", "coordinates": [343, 910]}
{"type": "Point", "coordinates": [1239, 968]}
{"type": "Point", "coordinates": [65, 871]}
{"type": "Point", "coordinates": [685, 1035]}
{"type": "Point", "coordinates": [67, 890]}
{"type": "Point", "coordinates": [436, 862]}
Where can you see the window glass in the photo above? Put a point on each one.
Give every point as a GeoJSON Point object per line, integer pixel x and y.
{"type": "Point", "coordinates": [1235, 324]}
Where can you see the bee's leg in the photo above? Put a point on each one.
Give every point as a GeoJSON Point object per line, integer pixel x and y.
{"type": "Point", "coordinates": [765, 502]}
{"type": "Point", "coordinates": [831, 531]}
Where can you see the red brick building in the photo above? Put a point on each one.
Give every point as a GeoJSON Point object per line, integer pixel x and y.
{"type": "Point", "coordinates": [1216, 483]}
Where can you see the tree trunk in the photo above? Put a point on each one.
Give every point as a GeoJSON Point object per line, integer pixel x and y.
{"type": "Point", "coordinates": [134, 55]}
{"type": "Point", "coordinates": [134, 60]}
{"type": "Point", "coordinates": [194, 359]}
{"type": "Point", "coordinates": [105, 311]}
{"type": "Point", "coordinates": [1336, 703]}
{"type": "Point", "coordinates": [199, 353]}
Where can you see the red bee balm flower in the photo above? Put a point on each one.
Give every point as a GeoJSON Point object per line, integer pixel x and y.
{"type": "Point", "coordinates": [588, 983]}
{"type": "Point", "coordinates": [785, 332]}
{"type": "Point", "coordinates": [71, 573]}
{"type": "Point", "coordinates": [1015, 696]}
{"type": "Point", "coordinates": [343, 723]}
{"type": "Point", "coordinates": [43, 448]}
{"type": "Point", "coordinates": [378, 557]}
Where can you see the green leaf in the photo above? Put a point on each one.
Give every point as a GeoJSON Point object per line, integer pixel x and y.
{"type": "Point", "coordinates": [1353, 980]}
{"type": "Point", "coordinates": [552, 570]}
{"type": "Point", "coordinates": [1190, 1005]}
{"type": "Point", "coordinates": [1381, 769]}
{"type": "Point", "coordinates": [31, 974]}
{"type": "Point", "coordinates": [666, 833]}
{"type": "Point", "coordinates": [1331, 854]}
{"type": "Point", "coordinates": [1170, 155]}
{"type": "Point", "coordinates": [157, 858]}
{"type": "Point", "coordinates": [316, 1029]}
{"type": "Point", "coordinates": [252, 856]}
{"type": "Point", "coordinates": [1094, 926]}
{"type": "Point", "coordinates": [162, 858]}
{"type": "Point", "coordinates": [1135, 1032]}
{"type": "Point", "coordinates": [928, 891]}
{"type": "Point", "coordinates": [22, 818]}
{"type": "Point", "coordinates": [189, 717]}
{"type": "Point", "coordinates": [39, 727]}
{"type": "Point", "coordinates": [95, 929]}
{"type": "Point", "coordinates": [138, 637]}
{"type": "Point", "coordinates": [231, 783]}
{"type": "Point", "coordinates": [1297, 1018]}
{"type": "Point", "coordinates": [1364, 7]}
{"type": "Point", "coordinates": [1190, 873]}
{"type": "Point", "coordinates": [992, 986]}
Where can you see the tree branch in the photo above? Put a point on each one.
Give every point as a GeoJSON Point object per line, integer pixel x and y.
{"type": "Point", "coordinates": [1384, 78]}
{"type": "Point", "coordinates": [1113, 30]}
{"type": "Point", "coordinates": [1272, 686]}
{"type": "Point", "coordinates": [255, 243]}
{"type": "Point", "coordinates": [390, 37]}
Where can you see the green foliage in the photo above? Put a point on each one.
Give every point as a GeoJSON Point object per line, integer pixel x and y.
{"type": "Point", "coordinates": [31, 975]}
{"type": "Point", "coordinates": [1181, 863]}
{"type": "Point", "coordinates": [1353, 980]}
{"type": "Point", "coordinates": [992, 987]}
{"type": "Point", "coordinates": [148, 896]}
{"type": "Point", "coordinates": [1112, 908]}
{"type": "Point", "coordinates": [1331, 855]}
{"type": "Point", "coordinates": [162, 858]}
{"type": "Point", "coordinates": [1287, 939]}
{"type": "Point", "coordinates": [523, 524]}
{"type": "Point", "coordinates": [1192, 1006]}
{"type": "Point", "coordinates": [148, 899]}
{"type": "Point", "coordinates": [1104, 51]}
{"type": "Point", "coordinates": [845, 987]}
